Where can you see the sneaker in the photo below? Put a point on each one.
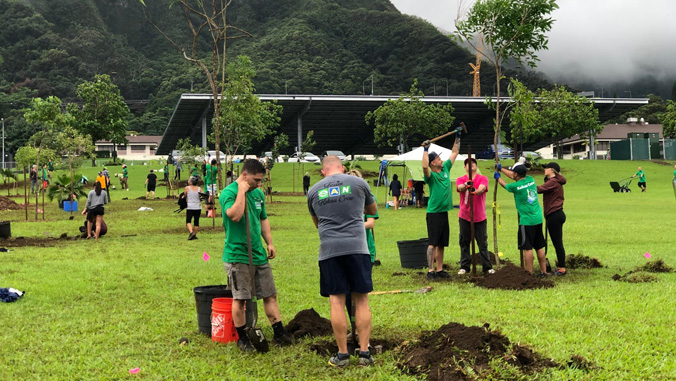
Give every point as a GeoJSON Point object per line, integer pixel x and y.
{"type": "Point", "coordinates": [431, 275]}
{"type": "Point", "coordinates": [543, 275]}
{"type": "Point", "coordinates": [442, 274]}
{"type": "Point", "coordinates": [558, 272]}
{"type": "Point", "coordinates": [462, 272]}
{"type": "Point", "coordinates": [366, 360]}
{"type": "Point", "coordinates": [339, 362]}
{"type": "Point", "coordinates": [284, 340]}
{"type": "Point", "coordinates": [190, 236]}
{"type": "Point", "coordinates": [491, 271]}
{"type": "Point", "coordinates": [245, 347]}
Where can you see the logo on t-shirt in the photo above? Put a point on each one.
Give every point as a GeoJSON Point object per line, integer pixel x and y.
{"type": "Point", "coordinates": [334, 191]}
{"type": "Point", "coordinates": [532, 196]}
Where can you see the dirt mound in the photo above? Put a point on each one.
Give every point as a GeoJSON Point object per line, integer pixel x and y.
{"type": "Point", "coordinates": [511, 277]}
{"type": "Point", "coordinates": [580, 261]}
{"type": "Point", "coordinates": [657, 266]}
{"type": "Point", "coordinates": [458, 352]}
{"type": "Point", "coordinates": [7, 203]}
{"type": "Point", "coordinates": [635, 277]}
{"type": "Point", "coordinates": [309, 323]}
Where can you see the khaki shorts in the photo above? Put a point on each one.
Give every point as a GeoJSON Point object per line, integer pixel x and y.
{"type": "Point", "coordinates": [239, 280]}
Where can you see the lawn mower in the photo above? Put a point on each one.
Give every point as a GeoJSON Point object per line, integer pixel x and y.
{"type": "Point", "coordinates": [621, 186]}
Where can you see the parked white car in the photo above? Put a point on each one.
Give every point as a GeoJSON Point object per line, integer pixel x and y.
{"type": "Point", "coordinates": [268, 156]}
{"type": "Point", "coordinates": [340, 154]}
{"type": "Point", "coordinates": [307, 157]}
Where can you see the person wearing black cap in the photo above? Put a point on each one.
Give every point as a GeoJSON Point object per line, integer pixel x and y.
{"type": "Point", "coordinates": [530, 214]}
{"type": "Point", "coordinates": [437, 176]}
{"type": "Point", "coordinates": [552, 201]}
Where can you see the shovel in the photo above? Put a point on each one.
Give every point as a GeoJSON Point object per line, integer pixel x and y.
{"type": "Point", "coordinates": [253, 333]}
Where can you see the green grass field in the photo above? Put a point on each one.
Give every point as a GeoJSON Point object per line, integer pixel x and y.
{"type": "Point", "coordinates": [96, 310]}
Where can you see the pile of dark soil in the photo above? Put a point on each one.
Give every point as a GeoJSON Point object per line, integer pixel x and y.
{"type": "Point", "coordinates": [308, 323]}
{"type": "Point", "coordinates": [657, 266]}
{"type": "Point", "coordinates": [458, 352]}
{"type": "Point", "coordinates": [7, 203]}
{"type": "Point", "coordinates": [579, 261]}
{"type": "Point", "coordinates": [511, 277]}
{"type": "Point", "coordinates": [635, 277]}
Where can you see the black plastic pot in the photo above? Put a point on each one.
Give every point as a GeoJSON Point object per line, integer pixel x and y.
{"type": "Point", "coordinates": [5, 229]}
{"type": "Point", "coordinates": [413, 254]}
{"type": "Point", "coordinates": [203, 297]}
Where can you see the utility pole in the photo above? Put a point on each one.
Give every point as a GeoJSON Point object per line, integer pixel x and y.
{"type": "Point", "coordinates": [371, 84]}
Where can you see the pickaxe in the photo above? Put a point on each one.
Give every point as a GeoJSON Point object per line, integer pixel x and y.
{"type": "Point", "coordinates": [462, 128]}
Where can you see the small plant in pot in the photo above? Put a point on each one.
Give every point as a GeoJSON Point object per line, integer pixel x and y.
{"type": "Point", "coordinates": [62, 190]}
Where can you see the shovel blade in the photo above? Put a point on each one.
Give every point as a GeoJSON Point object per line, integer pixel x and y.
{"type": "Point", "coordinates": [257, 339]}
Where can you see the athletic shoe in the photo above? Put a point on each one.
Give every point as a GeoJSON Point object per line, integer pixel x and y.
{"type": "Point", "coordinates": [284, 340]}
{"type": "Point", "coordinates": [558, 272]}
{"type": "Point", "coordinates": [443, 274]}
{"type": "Point", "coordinates": [245, 347]}
{"type": "Point", "coordinates": [337, 362]}
{"type": "Point", "coordinates": [431, 275]}
{"type": "Point", "coordinates": [543, 275]}
{"type": "Point", "coordinates": [366, 360]}
{"type": "Point", "coordinates": [462, 272]}
{"type": "Point", "coordinates": [190, 236]}
{"type": "Point", "coordinates": [491, 271]}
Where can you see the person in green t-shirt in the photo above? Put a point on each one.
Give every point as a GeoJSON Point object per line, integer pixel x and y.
{"type": "Point", "coordinates": [530, 214]}
{"type": "Point", "coordinates": [50, 169]}
{"type": "Point", "coordinates": [244, 194]}
{"type": "Point", "coordinates": [195, 171]}
{"type": "Point", "coordinates": [437, 177]}
{"type": "Point", "coordinates": [641, 179]}
{"type": "Point", "coordinates": [125, 177]}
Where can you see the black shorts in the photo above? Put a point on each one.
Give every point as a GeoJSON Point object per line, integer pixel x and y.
{"type": "Point", "coordinates": [438, 229]}
{"type": "Point", "coordinates": [151, 187]}
{"type": "Point", "coordinates": [193, 213]}
{"type": "Point", "coordinates": [531, 237]}
{"type": "Point", "coordinates": [345, 274]}
{"type": "Point", "coordinates": [95, 211]}
{"type": "Point", "coordinates": [641, 184]}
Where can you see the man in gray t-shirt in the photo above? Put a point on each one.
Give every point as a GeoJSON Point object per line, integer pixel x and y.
{"type": "Point", "coordinates": [337, 205]}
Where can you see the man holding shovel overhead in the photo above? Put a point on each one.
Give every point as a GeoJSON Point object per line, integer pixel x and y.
{"type": "Point", "coordinates": [436, 175]}
{"type": "Point", "coordinates": [477, 187]}
{"type": "Point", "coordinates": [337, 205]}
{"type": "Point", "coordinates": [239, 199]}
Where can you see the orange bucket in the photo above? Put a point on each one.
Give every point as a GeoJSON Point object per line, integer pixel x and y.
{"type": "Point", "coordinates": [410, 184]}
{"type": "Point", "coordinates": [222, 326]}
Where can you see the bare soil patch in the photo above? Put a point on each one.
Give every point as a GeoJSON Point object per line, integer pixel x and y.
{"type": "Point", "coordinates": [579, 261]}
{"type": "Point", "coordinates": [458, 352]}
{"type": "Point", "coordinates": [511, 277]}
{"type": "Point", "coordinates": [36, 241]}
{"type": "Point", "coordinates": [657, 266]}
{"type": "Point", "coordinates": [636, 277]}
{"type": "Point", "coordinates": [7, 203]}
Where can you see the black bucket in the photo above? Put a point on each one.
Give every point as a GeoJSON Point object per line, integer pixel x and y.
{"type": "Point", "coordinates": [413, 254]}
{"type": "Point", "coordinates": [203, 297]}
{"type": "Point", "coordinates": [5, 230]}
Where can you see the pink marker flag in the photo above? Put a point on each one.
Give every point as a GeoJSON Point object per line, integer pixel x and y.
{"type": "Point", "coordinates": [647, 255]}
{"type": "Point", "coordinates": [205, 256]}
{"type": "Point", "coordinates": [134, 371]}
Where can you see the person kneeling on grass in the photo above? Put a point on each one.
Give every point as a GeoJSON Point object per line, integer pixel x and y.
{"type": "Point", "coordinates": [530, 214]}
{"type": "Point", "coordinates": [241, 195]}
{"type": "Point", "coordinates": [194, 207]}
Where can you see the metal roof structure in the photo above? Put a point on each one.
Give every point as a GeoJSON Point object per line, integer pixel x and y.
{"type": "Point", "coordinates": [338, 120]}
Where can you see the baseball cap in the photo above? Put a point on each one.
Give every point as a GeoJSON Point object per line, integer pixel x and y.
{"type": "Point", "coordinates": [553, 166]}
{"type": "Point", "coordinates": [468, 159]}
{"type": "Point", "coordinates": [520, 170]}
{"type": "Point", "coordinates": [433, 155]}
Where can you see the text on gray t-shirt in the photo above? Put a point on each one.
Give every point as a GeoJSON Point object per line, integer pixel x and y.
{"type": "Point", "coordinates": [338, 202]}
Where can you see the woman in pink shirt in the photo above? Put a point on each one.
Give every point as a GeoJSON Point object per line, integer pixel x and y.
{"type": "Point", "coordinates": [477, 188]}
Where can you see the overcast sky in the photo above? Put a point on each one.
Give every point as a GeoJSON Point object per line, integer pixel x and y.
{"type": "Point", "coordinates": [608, 40]}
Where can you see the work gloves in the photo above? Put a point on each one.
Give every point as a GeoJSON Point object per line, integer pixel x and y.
{"type": "Point", "coordinates": [498, 167]}
{"type": "Point", "coordinates": [496, 175]}
{"type": "Point", "coordinates": [426, 144]}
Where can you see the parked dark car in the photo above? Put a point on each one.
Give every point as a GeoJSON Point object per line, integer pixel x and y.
{"type": "Point", "coordinates": [504, 152]}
